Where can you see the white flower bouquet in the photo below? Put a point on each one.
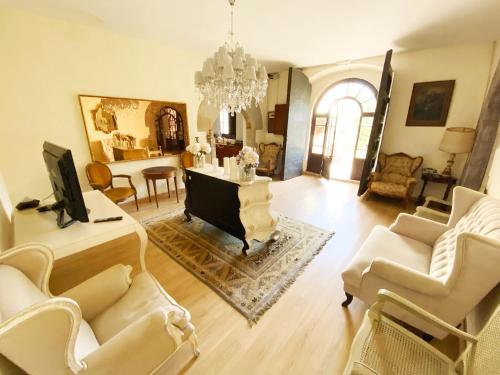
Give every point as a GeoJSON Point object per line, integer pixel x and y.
{"type": "Point", "coordinates": [199, 150]}
{"type": "Point", "coordinates": [248, 160]}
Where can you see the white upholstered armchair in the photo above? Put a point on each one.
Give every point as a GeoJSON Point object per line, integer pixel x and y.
{"type": "Point", "coordinates": [444, 268]}
{"type": "Point", "coordinates": [109, 324]}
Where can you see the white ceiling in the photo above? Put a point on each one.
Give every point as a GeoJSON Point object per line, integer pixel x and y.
{"type": "Point", "coordinates": [284, 32]}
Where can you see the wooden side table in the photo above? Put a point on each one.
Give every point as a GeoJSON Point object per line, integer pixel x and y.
{"type": "Point", "coordinates": [450, 181]}
{"type": "Point", "coordinates": [160, 173]}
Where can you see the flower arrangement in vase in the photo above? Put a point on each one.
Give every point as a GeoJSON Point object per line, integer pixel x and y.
{"type": "Point", "coordinates": [199, 151]}
{"type": "Point", "coordinates": [248, 160]}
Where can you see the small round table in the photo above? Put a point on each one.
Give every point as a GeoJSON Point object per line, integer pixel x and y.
{"type": "Point", "coordinates": [160, 173]}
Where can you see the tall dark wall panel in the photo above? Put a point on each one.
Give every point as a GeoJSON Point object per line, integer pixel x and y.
{"type": "Point", "coordinates": [486, 132]}
{"type": "Point", "coordinates": [295, 137]}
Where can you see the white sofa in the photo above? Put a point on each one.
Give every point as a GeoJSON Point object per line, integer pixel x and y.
{"type": "Point", "coordinates": [444, 268]}
{"type": "Point", "coordinates": [109, 324]}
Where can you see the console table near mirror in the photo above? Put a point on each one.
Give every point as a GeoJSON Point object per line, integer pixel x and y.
{"type": "Point", "coordinates": [121, 129]}
{"type": "Point", "coordinates": [242, 209]}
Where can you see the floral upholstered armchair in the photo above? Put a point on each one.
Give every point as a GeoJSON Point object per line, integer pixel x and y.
{"type": "Point", "coordinates": [395, 177]}
{"type": "Point", "coordinates": [268, 158]}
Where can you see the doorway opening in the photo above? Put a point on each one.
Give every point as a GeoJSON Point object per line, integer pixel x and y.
{"type": "Point", "coordinates": [340, 129]}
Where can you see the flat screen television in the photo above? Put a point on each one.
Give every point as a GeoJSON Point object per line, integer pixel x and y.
{"type": "Point", "coordinates": [65, 184]}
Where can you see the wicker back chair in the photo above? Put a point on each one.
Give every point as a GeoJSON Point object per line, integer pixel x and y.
{"type": "Point", "coordinates": [382, 346]}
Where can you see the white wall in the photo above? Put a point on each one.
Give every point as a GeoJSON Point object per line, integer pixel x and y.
{"type": "Point", "coordinates": [276, 94]}
{"type": "Point", "coordinates": [46, 63]}
{"type": "Point", "coordinates": [468, 65]}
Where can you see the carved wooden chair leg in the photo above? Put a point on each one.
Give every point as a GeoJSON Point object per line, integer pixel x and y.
{"type": "Point", "coordinates": [348, 300]}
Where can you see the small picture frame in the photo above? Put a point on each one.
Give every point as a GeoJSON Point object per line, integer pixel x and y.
{"type": "Point", "coordinates": [430, 103]}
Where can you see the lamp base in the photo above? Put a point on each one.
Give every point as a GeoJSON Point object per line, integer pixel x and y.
{"type": "Point", "coordinates": [447, 170]}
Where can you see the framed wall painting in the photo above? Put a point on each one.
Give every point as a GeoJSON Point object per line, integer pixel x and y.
{"type": "Point", "coordinates": [430, 103]}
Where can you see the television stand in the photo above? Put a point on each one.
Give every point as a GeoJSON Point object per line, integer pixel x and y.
{"type": "Point", "coordinates": [58, 208]}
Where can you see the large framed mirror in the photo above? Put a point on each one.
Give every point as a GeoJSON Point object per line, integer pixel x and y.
{"type": "Point", "coordinates": [124, 129]}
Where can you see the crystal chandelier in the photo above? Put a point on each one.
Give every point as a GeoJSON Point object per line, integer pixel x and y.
{"type": "Point", "coordinates": [231, 80]}
{"type": "Point", "coordinates": [115, 105]}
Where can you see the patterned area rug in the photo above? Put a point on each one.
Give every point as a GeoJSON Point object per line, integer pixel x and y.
{"type": "Point", "coordinates": [251, 284]}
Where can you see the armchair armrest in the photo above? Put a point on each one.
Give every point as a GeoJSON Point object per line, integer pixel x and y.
{"type": "Point", "coordinates": [384, 296]}
{"type": "Point", "coordinates": [129, 177]}
{"type": "Point", "coordinates": [141, 348]}
{"type": "Point", "coordinates": [42, 338]}
{"type": "Point", "coordinates": [406, 277]}
{"type": "Point", "coordinates": [418, 228]}
{"type": "Point", "coordinates": [34, 260]}
{"type": "Point", "coordinates": [101, 291]}
{"type": "Point", "coordinates": [411, 181]}
{"type": "Point", "coordinates": [437, 200]}
{"type": "Point", "coordinates": [423, 210]}
{"type": "Point", "coordinates": [359, 368]}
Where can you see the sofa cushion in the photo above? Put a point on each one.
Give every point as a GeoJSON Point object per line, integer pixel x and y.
{"type": "Point", "coordinates": [483, 218]}
{"type": "Point", "coordinates": [17, 293]}
{"type": "Point", "coordinates": [143, 297]}
{"type": "Point", "coordinates": [385, 244]}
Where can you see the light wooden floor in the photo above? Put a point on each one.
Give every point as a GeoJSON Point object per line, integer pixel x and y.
{"type": "Point", "coordinates": [306, 331]}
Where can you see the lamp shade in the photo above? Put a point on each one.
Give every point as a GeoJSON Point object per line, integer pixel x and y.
{"type": "Point", "coordinates": [457, 140]}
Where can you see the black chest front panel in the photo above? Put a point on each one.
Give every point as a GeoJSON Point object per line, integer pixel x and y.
{"type": "Point", "coordinates": [215, 201]}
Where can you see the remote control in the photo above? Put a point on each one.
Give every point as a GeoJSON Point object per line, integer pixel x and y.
{"type": "Point", "coordinates": [116, 218]}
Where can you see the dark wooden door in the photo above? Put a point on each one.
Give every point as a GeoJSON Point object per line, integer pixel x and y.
{"type": "Point", "coordinates": [297, 123]}
{"type": "Point", "coordinates": [379, 119]}
{"type": "Point", "coordinates": [280, 115]}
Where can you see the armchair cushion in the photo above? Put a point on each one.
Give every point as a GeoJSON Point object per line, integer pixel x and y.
{"type": "Point", "coordinates": [143, 297]}
{"type": "Point", "coordinates": [119, 194]}
{"type": "Point", "coordinates": [101, 291]}
{"type": "Point", "coordinates": [389, 188]}
{"type": "Point", "coordinates": [386, 244]}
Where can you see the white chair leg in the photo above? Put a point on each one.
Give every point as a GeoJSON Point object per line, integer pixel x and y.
{"type": "Point", "coordinates": [193, 339]}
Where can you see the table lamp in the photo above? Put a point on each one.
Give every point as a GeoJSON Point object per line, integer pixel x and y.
{"type": "Point", "coordinates": [456, 141]}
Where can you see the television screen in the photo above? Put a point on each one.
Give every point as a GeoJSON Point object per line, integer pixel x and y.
{"type": "Point", "coordinates": [65, 184]}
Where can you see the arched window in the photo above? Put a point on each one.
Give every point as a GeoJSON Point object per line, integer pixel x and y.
{"type": "Point", "coordinates": [170, 130]}
{"type": "Point", "coordinates": [340, 131]}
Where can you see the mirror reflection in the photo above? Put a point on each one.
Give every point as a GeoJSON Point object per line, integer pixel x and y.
{"type": "Point", "coordinates": [229, 131]}
{"type": "Point", "coordinates": [121, 129]}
